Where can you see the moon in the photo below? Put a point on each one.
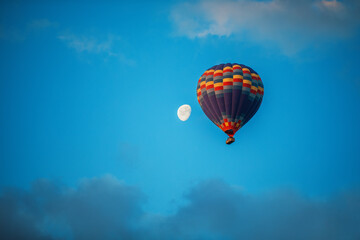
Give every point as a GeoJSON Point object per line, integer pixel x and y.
{"type": "Point", "coordinates": [184, 112]}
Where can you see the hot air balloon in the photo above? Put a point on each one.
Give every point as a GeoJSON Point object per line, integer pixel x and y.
{"type": "Point", "coordinates": [230, 95]}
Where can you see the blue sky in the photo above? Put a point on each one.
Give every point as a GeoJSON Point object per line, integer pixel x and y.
{"type": "Point", "coordinates": [89, 94]}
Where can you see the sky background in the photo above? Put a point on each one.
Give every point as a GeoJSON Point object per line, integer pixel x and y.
{"type": "Point", "coordinates": [88, 126]}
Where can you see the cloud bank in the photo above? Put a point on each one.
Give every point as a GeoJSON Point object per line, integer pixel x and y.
{"type": "Point", "coordinates": [106, 208]}
{"type": "Point", "coordinates": [291, 24]}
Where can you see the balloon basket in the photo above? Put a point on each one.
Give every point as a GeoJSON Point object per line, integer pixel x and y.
{"type": "Point", "coordinates": [230, 140]}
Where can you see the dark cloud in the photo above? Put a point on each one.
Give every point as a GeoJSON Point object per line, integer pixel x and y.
{"type": "Point", "coordinates": [223, 212]}
{"type": "Point", "coordinates": [105, 208]}
{"type": "Point", "coordinates": [19, 215]}
{"type": "Point", "coordinates": [100, 208]}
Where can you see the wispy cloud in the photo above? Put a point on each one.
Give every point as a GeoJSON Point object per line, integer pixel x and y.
{"type": "Point", "coordinates": [41, 24]}
{"type": "Point", "coordinates": [109, 46]}
{"type": "Point", "coordinates": [22, 32]}
{"type": "Point", "coordinates": [291, 24]}
{"type": "Point", "coordinates": [87, 44]}
{"type": "Point", "coordinates": [106, 208]}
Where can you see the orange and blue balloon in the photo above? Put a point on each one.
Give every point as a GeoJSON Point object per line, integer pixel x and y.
{"type": "Point", "coordinates": [230, 95]}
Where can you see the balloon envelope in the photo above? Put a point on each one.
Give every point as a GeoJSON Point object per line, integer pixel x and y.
{"type": "Point", "coordinates": [230, 95]}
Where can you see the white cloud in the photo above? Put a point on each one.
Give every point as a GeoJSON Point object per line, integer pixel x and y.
{"type": "Point", "coordinates": [291, 24]}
